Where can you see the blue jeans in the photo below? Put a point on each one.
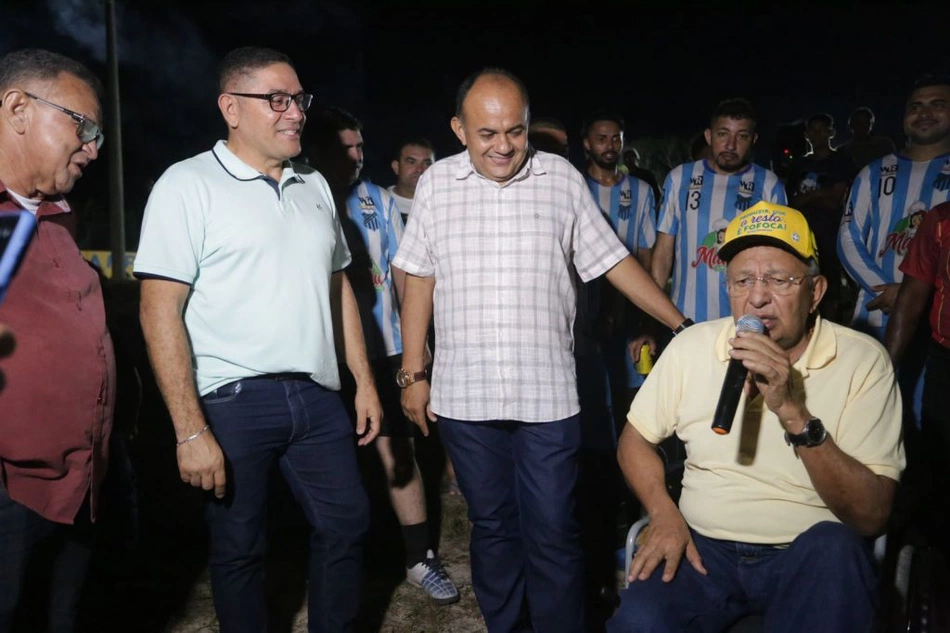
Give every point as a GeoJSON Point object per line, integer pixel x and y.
{"type": "Point", "coordinates": [302, 428]}
{"type": "Point", "coordinates": [825, 581]}
{"type": "Point", "coordinates": [518, 480]}
{"type": "Point", "coordinates": [53, 556]}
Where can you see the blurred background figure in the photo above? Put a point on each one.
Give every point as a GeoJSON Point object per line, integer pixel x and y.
{"type": "Point", "coordinates": [415, 156]}
{"type": "Point", "coordinates": [547, 134]}
{"type": "Point", "coordinates": [862, 147]}
{"type": "Point", "coordinates": [817, 184]}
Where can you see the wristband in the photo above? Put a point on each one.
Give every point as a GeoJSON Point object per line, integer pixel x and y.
{"type": "Point", "coordinates": [193, 436]}
{"type": "Point", "coordinates": [682, 326]}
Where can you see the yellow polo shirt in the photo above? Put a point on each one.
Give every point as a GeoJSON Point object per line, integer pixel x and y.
{"type": "Point", "coordinates": [749, 485]}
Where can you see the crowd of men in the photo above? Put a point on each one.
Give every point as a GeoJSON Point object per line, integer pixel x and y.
{"type": "Point", "coordinates": [287, 307]}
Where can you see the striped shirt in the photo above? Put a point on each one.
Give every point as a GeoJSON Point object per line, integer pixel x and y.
{"type": "Point", "coordinates": [697, 205]}
{"type": "Point", "coordinates": [373, 229]}
{"type": "Point", "coordinates": [630, 208]}
{"type": "Point", "coordinates": [504, 301]}
{"type": "Point", "coordinates": [888, 199]}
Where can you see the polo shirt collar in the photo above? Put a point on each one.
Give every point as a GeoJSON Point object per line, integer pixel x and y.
{"type": "Point", "coordinates": [240, 170]}
{"type": "Point", "coordinates": [821, 349]}
{"type": "Point", "coordinates": [51, 206]}
{"type": "Point", "coordinates": [464, 167]}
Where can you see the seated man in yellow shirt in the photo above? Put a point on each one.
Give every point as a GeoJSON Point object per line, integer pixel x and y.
{"type": "Point", "coordinates": [776, 516]}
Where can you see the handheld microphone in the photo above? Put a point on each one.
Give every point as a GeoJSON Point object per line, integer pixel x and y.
{"type": "Point", "coordinates": [735, 379]}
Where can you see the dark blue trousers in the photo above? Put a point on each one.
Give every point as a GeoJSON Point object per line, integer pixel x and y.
{"type": "Point", "coordinates": [824, 582]}
{"type": "Point", "coordinates": [301, 428]}
{"type": "Point", "coordinates": [518, 480]}
{"type": "Point", "coordinates": [46, 556]}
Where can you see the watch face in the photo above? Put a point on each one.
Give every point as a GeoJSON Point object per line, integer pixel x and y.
{"type": "Point", "coordinates": [814, 432]}
{"type": "Point", "coordinates": [403, 378]}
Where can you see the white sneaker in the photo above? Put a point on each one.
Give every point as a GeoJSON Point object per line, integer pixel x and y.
{"type": "Point", "coordinates": [431, 576]}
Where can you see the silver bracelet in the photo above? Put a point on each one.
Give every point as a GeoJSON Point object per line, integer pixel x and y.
{"type": "Point", "coordinates": [192, 436]}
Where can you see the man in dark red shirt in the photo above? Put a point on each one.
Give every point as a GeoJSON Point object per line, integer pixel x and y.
{"type": "Point", "coordinates": [926, 283]}
{"type": "Point", "coordinates": [7, 343]}
{"type": "Point", "coordinates": [56, 406]}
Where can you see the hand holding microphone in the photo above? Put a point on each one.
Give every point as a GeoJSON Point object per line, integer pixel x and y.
{"type": "Point", "coordinates": [735, 380]}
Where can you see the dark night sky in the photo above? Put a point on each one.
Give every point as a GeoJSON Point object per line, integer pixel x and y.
{"type": "Point", "coordinates": [397, 66]}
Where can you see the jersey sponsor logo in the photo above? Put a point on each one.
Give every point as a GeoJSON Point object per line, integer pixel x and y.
{"type": "Point", "coordinates": [368, 209]}
{"type": "Point", "coordinates": [900, 236]}
{"type": "Point", "coordinates": [625, 203]}
{"type": "Point", "coordinates": [745, 197]}
{"type": "Point", "coordinates": [707, 254]}
{"type": "Point", "coordinates": [696, 182]}
{"type": "Point", "coordinates": [942, 181]}
{"type": "Point", "coordinates": [371, 221]}
{"type": "Point", "coordinates": [743, 201]}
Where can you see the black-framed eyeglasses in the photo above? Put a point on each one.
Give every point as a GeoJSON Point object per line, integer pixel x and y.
{"type": "Point", "coordinates": [87, 130]}
{"type": "Point", "coordinates": [280, 101]}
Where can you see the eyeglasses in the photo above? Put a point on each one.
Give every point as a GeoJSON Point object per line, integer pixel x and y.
{"type": "Point", "coordinates": [775, 285]}
{"type": "Point", "coordinates": [280, 101]}
{"type": "Point", "coordinates": [87, 130]}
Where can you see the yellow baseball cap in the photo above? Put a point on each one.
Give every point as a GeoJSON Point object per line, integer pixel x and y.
{"type": "Point", "coordinates": [768, 224]}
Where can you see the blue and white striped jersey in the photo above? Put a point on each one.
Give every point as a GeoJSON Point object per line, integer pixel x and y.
{"type": "Point", "coordinates": [373, 231]}
{"type": "Point", "coordinates": [697, 205]}
{"type": "Point", "coordinates": [630, 208]}
{"type": "Point", "coordinates": [888, 199]}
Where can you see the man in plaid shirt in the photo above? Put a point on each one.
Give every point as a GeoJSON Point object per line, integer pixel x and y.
{"type": "Point", "coordinates": [494, 233]}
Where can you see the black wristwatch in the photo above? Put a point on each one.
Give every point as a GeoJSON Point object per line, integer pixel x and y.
{"type": "Point", "coordinates": [814, 434]}
{"type": "Point", "coordinates": [682, 326]}
{"type": "Point", "coordinates": [404, 377]}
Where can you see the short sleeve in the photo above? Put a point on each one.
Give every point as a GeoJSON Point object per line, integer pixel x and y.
{"type": "Point", "coordinates": [870, 425]}
{"type": "Point", "coordinates": [173, 229]}
{"type": "Point", "coordinates": [597, 248]}
{"type": "Point", "coordinates": [653, 410]}
{"type": "Point", "coordinates": [414, 255]}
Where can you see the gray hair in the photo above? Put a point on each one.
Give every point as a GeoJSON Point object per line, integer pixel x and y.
{"type": "Point", "coordinates": [36, 64]}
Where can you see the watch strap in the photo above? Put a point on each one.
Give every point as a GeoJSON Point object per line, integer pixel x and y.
{"type": "Point", "coordinates": [405, 378]}
{"type": "Point", "coordinates": [682, 326]}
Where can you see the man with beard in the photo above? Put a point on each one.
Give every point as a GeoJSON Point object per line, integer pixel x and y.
{"type": "Point", "coordinates": [415, 156]}
{"type": "Point", "coordinates": [876, 229]}
{"type": "Point", "coordinates": [629, 206]}
{"type": "Point", "coordinates": [701, 197]}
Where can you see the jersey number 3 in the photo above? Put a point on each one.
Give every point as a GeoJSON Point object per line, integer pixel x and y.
{"type": "Point", "coordinates": [694, 200]}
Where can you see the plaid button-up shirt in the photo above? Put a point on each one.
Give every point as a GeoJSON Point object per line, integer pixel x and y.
{"type": "Point", "coordinates": [504, 298]}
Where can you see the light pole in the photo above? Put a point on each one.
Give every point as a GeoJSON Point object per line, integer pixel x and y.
{"type": "Point", "coordinates": [114, 135]}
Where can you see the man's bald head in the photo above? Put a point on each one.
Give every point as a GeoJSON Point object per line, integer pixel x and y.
{"type": "Point", "coordinates": [492, 123]}
{"type": "Point", "coordinates": [496, 75]}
